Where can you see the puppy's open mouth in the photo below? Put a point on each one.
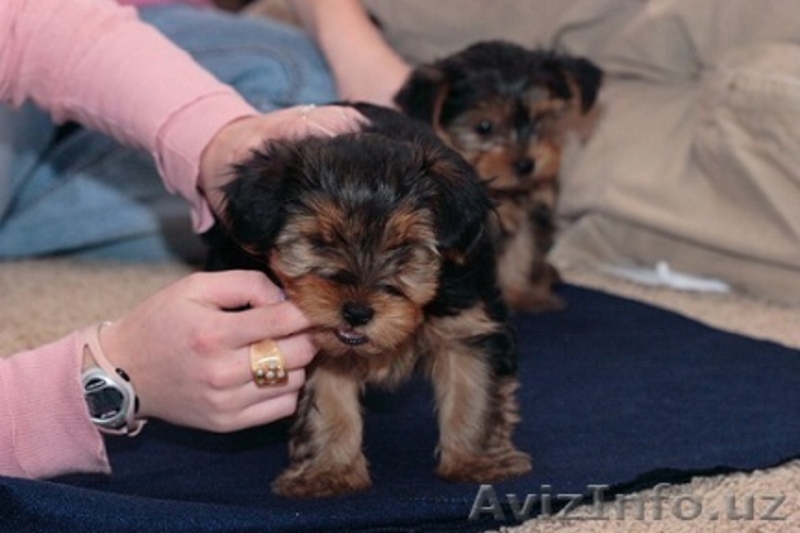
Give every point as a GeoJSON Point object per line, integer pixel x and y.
{"type": "Point", "coordinates": [351, 337]}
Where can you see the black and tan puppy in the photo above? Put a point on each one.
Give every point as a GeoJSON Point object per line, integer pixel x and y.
{"type": "Point", "coordinates": [506, 109]}
{"type": "Point", "coordinates": [381, 238]}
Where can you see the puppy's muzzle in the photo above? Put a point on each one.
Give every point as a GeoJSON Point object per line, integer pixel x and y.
{"type": "Point", "coordinates": [355, 315]}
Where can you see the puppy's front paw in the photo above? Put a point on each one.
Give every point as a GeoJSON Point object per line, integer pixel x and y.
{"type": "Point", "coordinates": [313, 480]}
{"type": "Point", "coordinates": [470, 468]}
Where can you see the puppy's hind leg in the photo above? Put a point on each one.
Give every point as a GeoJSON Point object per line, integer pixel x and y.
{"type": "Point", "coordinates": [325, 446]}
{"type": "Point", "coordinates": [477, 411]}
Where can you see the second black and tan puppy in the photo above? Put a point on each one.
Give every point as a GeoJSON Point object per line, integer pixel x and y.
{"type": "Point", "coordinates": [505, 109]}
{"type": "Point", "coordinates": [381, 237]}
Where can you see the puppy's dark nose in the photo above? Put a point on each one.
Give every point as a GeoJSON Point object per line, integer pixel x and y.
{"type": "Point", "coordinates": [524, 166]}
{"type": "Point", "coordinates": [357, 314]}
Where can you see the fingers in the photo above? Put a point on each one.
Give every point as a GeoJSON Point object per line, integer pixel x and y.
{"type": "Point", "coordinates": [273, 321]}
{"type": "Point", "coordinates": [250, 405]}
{"type": "Point", "coordinates": [233, 332]}
{"type": "Point", "coordinates": [189, 357]}
{"type": "Point", "coordinates": [271, 403]}
{"type": "Point", "coordinates": [268, 314]}
{"type": "Point", "coordinates": [297, 352]}
{"type": "Point", "coordinates": [332, 120]}
{"type": "Point", "coordinates": [234, 289]}
{"type": "Point", "coordinates": [265, 412]}
{"type": "Point", "coordinates": [304, 120]}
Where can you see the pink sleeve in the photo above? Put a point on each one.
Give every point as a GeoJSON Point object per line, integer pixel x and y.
{"type": "Point", "coordinates": [94, 62]}
{"type": "Point", "coordinates": [44, 423]}
{"type": "Point", "coordinates": [140, 3]}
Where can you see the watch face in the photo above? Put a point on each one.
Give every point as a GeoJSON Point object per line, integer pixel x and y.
{"type": "Point", "coordinates": [105, 399]}
{"type": "Point", "coordinates": [104, 402]}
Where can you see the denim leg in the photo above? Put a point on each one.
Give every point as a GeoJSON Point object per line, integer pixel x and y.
{"type": "Point", "coordinates": [25, 134]}
{"type": "Point", "coordinates": [93, 198]}
{"type": "Point", "coordinates": [273, 65]}
{"type": "Point", "coordinates": [88, 196]}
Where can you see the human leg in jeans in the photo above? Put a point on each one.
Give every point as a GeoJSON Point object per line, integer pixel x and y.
{"type": "Point", "coordinates": [78, 192]}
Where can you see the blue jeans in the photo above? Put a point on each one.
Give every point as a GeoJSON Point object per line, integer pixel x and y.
{"type": "Point", "coordinates": [80, 193]}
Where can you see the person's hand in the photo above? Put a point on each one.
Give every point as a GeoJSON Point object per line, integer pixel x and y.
{"type": "Point", "coordinates": [234, 143]}
{"type": "Point", "coordinates": [187, 351]}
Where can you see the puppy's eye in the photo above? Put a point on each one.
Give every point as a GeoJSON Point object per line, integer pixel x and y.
{"type": "Point", "coordinates": [391, 290]}
{"type": "Point", "coordinates": [484, 127]}
{"type": "Point", "coordinates": [319, 244]}
{"type": "Point", "coordinates": [342, 277]}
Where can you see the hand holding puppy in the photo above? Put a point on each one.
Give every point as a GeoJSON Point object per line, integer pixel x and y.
{"type": "Point", "coordinates": [236, 141]}
{"type": "Point", "coordinates": [186, 348]}
{"type": "Point", "coordinates": [186, 351]}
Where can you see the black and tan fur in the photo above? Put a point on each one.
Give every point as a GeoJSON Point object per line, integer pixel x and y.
{"type": "Point", "coordinates": [506, 109]}
{"type": "Point", "coordinates": [381, 238]}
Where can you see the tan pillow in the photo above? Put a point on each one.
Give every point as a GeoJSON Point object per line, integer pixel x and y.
{"type": "Point", "coordinates": [702, 172]}
{"type": "Point", "coordinates": [671, 40]}
{"type": "Point", "coordinates": [424, 30]}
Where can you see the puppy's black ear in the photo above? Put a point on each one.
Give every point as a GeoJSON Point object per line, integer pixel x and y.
{"type": "Point", "coordinates": [461, 203]}
{"type": "Point", "coordinates": [255, 200]}
{"type": "Point", "coordinates": [587, 76]}
{"type": "Point", "coordinates": [422, 95]}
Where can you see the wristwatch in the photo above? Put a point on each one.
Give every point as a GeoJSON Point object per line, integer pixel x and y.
{"type": "Point", "coordinates": [108, 390]}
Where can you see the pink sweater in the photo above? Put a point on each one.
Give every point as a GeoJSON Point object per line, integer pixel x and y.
{"type": "Point", "coordinates": [199, 3]}
{"type": "Point", "coordinates": [95, 63]}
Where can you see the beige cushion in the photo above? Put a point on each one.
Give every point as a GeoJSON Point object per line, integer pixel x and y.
{"type": "Point", "coordinates": [424, 30]}
{"type": "Point", "coordinates": [696, 161]}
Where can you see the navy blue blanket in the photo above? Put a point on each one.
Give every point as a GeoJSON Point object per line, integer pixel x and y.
{"type": "Point", "coordinates": [615, 394]}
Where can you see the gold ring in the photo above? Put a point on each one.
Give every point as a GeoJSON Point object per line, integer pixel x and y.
{"type": "Point", "coordinates": [266, 363]}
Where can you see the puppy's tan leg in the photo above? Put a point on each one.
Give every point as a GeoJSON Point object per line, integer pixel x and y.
{"type": "Point", "coordinates": [477, 410]}
{"type": "Point", "coordinates": [325, 448]}
{"type": "Point", "coordinates": [538, 295]}
{"type": "Point", "coordinates": [525, 276]}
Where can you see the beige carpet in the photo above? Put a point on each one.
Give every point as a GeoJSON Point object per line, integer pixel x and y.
{"type": "Point", "coordinates": [43, 300]}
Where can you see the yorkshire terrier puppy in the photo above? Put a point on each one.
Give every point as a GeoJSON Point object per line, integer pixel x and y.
{"type": "Point", "coordinates": [506, 109]}
{"type": "Point", "coordinates": [381, 238]}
